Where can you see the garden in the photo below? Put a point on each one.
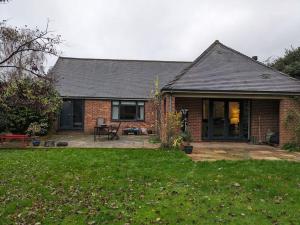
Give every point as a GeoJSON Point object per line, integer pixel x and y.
{"type": "Point", "coordinates": [126, 186]}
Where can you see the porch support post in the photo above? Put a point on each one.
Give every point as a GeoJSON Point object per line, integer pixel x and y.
{"type": "Point", "coordinates": [286, 131]}
{"type": "Point", "coordinates": [168, 105]}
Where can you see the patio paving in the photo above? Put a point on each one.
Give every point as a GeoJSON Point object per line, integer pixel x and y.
{"type": "Point", "coordinates": [87, 141]}
{"type": "Point", "coordinates": [212, 151]}
{"type": "Point", "coordinates": [203, 151]}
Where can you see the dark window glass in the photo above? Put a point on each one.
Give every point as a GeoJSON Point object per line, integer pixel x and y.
{"type": "Point", "coordinates": [218, 118]}
{"type": "Point", "coordinates": [205, 111]}
{"type": "Point", "coordinates": [128, 110]}
{"type": "Point", "coordinates": [245, 118]}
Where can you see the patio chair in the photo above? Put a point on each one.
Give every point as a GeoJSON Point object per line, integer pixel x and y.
{"type": "Point", "coordinates": [100, 122]}
{"type": "Point", "coordinates": [100, 128]}
{"type": "Point", "coordinates": [114, 132]}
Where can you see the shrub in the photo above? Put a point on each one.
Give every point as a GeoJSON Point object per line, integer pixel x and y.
{"type": "Point", "coordinates": [27, 100]}
{"type": "Point", "coordinates": [292, 147]}
{"type": "Point", "coordinates": [171, 126]}
{"type": "Point", "coordinates": [187, 136]}
{"type": "Point", "coordinates": [36, 128]}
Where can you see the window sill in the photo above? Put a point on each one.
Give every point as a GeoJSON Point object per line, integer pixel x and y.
{"type": "Point", "coordinates": [127, 120]}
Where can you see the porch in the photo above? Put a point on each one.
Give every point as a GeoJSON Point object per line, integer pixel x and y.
{"type": "Point", "coordinates": [235, 118]}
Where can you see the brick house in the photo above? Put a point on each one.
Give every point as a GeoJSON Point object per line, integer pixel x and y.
{"type": "Point", "coordinates": [227, 95]}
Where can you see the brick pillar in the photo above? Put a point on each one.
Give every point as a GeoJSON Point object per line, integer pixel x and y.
{"type": "Point", "coordinates": [286, 132]}
{"type": "Point", "coordinates": [168, 105]}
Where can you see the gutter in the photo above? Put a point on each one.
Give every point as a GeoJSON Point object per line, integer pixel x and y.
{"type": "Point", "coordinates": [230, 92]}
{"type": "Point", "coordinates": [104, 98]}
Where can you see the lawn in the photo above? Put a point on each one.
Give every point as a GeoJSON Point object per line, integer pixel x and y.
{"type": "Point", "coordinates": [90, 186]}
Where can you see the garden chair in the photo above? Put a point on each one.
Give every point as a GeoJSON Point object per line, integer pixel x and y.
{"type": "Point", "coordinates": [114, 132]}
{"type": "Point", "coordinates": [100, 128]}
{"type": "Point", "coordinates": [100, 122]}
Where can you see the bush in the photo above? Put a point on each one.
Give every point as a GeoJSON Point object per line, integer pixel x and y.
{"type": "Point", "coordinates": [171, 127]}
{"type": "Point", "coordinates": [25, 101]}
{"type": "Point", "coordinates": [292, 147]}
{"type": "Point", "coordinates": [3, 121]}
{"type": "Point", "coordinates": [187, 136]}
{"type": "Point", "coordinates": [36, 128]}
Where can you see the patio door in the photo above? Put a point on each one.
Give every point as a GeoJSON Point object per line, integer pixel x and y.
{"type": "Point", "coordinates": [225, 119]}
{"type": "Point", "coordinates": [71, 116]}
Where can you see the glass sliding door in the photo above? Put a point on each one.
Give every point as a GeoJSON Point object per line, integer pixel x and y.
{"type": "Point", "coordinates": [234, 119]}
{"type": "Point", "coordinates": [218, 119]}
{"type": "Point", "coordinates": [71, 115]}
{"type": "Point", "coordinates": [66, 115]}
{"type": "Point", "coordinates": [225, 119]}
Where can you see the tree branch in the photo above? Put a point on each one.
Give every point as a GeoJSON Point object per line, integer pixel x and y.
{"type": "Point", "coordinates": [43, 76]}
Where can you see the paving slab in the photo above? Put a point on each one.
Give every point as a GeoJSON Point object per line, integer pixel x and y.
{"type": "Point", "coordinates": [211, 151]}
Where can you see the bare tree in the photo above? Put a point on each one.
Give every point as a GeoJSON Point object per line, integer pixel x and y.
{"type": "Point", "coordinates": [23, 51]}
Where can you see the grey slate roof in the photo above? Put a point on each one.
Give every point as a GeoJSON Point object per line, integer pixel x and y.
{"type": "Point", "coordinates": [222, 69]}
{"type": "Point", "coordinates": [105, 78]}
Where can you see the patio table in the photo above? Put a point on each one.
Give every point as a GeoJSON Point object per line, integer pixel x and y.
{"type": "Point", "coordinates": [102, 130]}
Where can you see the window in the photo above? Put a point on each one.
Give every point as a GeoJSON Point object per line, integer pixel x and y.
{"type": "Point", "coordinates": [128, 110]}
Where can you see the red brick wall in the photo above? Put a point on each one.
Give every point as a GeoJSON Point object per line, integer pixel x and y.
{"type": "Point", "coordinates": [102, 108]}
{"type": "Point", "coordinates": [267, 112]}
{"type": "Point", "coordinates": [194, 105]}
{"type": "Point", "coordinates": [165, 109]}
{"type": "Point", "coordinates": [287, 132]}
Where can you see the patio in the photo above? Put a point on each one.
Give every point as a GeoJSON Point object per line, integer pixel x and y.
{"type": "Point", "coordinates": [203, 151]}
{"type": "Point", "coordinates": [79, 140]}
{"type": "Point", "coordinates": [212, 151]}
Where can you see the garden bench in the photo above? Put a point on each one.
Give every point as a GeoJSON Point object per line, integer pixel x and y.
{"type": "Point", "coordinates": [23, 138]}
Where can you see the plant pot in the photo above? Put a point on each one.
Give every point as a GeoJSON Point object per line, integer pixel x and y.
{"type": "Point", "coordinates": [36, 143]}
{"type": "Point", "coordinates": [188, 149]}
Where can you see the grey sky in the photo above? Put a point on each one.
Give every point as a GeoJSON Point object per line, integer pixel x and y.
{"type": "Point", "coordinates": [162, 29]}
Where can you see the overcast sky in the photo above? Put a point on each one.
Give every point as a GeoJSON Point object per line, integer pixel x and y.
{"type": "Point", "coordinates": [162, 29]}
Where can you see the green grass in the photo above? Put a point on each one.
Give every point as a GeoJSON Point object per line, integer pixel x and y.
{"type": "Point", "coordinates": [73, 186]}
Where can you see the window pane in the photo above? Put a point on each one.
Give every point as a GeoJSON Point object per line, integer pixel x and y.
{"type": "Point", "coordinates": [115, 113]}
{"type": "Point", "coordinates": [218, 118]}
{"type": "Point", "coordinates": [234, 119]}
{"type": "Point", "coordinates": [128, 103]}
{"type": "Point", "coordinates": [115, 102]}
{"type": "Point", "coordinates": [141, 103]}
{"type": "Point", "coordinates": [127, 112]}
{"type": "Point", "coordinates": [141, 113]}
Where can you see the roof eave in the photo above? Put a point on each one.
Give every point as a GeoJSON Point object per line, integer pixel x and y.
{"type": "Point", "coordinates": [103, 98]}
{"type": "Point", "coordinates": [264, 93]}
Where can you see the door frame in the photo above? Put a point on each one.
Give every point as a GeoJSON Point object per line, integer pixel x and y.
{"type": "Point", "coordinates": [83, 115]}
{"type": "Point", "coordinates": [226, 136]}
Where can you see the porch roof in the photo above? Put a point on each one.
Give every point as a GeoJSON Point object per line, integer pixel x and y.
{"type": "Point", "coordinates": [222, 69]}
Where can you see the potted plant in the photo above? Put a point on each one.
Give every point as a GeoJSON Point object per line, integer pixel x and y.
{"type": "Point", "coordinates": [34, 130]}
{"type": "Point", "coordinates": [187, 139]}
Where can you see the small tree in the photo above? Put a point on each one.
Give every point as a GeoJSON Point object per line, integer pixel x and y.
{"type": "Point", "coordinates": [171, 130]}
{"type": "Point", "coordinates": [27, 91]}
{"type": "Point", "coordinates": [156, 99]}
{"type": "Point", "coordinates": [23, 51]}
{"type": "Point", "coordinates": [289, 63]}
